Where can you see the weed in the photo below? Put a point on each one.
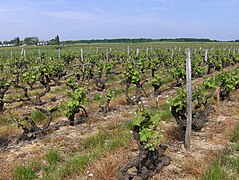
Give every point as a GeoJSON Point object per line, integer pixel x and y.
{"type": "Point", "coordinates": [94, 141]}
{"type": "Point", "coordinates": [24, 173]}
{"type": "Point", "coordinates": [215, 172]}
{"type": "Point", "coordinates": [52, 156]}
{"type": "Point", "coordinates": [96, 97]}
{"type": "Point", "coordinates": [38, 116]}
{"type": "Point", "coordinates": [235, 135]}
{"type": "Point", "coordinates": [75, 164]}
{"type": "Point", "coordinates": [118, 91]}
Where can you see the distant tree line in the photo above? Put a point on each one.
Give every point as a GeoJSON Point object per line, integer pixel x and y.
{"type": "Point", "coordinates": [138, 40]}
{"type": "Point", "coordinates": [56, 41]}
{"type": "Point", "coordinates": [30, 41]}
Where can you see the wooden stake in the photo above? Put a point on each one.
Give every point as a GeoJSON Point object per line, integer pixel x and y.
{"type": "Point", "coordinates": [218, 99]}
{"type": "Point", "coordinates": [137, 52]}
{"type": "Point", "coordinates": [25, 56]}
{"type": "Point", "coordinates": [172, 54]}
{"type": "Point", "coordinates": [59, 54]}
{"type": "Point", "coordinates": [206, 54]}
{"type": "Point", "coordinates": [39, 54]}
{"type": "Point", "coordinates": [81, 55]}
{"type": "Point", "coordinates": [189, 101]}
{"type": "Point", "coordinates": [107, 56]}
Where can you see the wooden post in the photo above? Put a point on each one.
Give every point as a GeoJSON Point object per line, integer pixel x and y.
{"type": "Point", "coordinates": [59, 54]}
{"type": "Point", "coordinates": [137, 52]}
{"type": "Point", "coordinates": [218, 100]}
{"type": "Point", "coordinates": [229, 52]}
{"type": "Point", "coordinates": [206, 53]}
{"type": "Point", "coordinates": [107, 56]}
{"type": "Point", "coordinates": [172, 54]}
{"type": "Point", "coordinates": [128, 51]}
{"type": "Point", "coordinates": [39, 54]}
{"type": "Point", "coordinates": [25, 56]}
{"type": "Point", "coordinates": [11, 53]}
{"type": "Point", "coordinates": [81, 55]}
{"type": "Point", "coordinates": [189, 101]}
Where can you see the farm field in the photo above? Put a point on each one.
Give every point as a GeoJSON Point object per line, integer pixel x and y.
{"type": "Point", "coordinates": [118, 111]}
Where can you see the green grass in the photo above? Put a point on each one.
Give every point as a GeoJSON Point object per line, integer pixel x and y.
{"type": "Point", "coordinates": [227, 166]}
{"type": "Point", "coordinates": [235, 135]}
{"type": "Point", "coordinates": [89, 150]}
{"type": "Point", "coordinates": [97, 97]}
{"type": "Point", "coordinates": [216, 172]}
{"type": "Point", "coordinates": [118, 91]}
{"type": "Point", "coordinates": [95, 141]}
{"type": "Point", "coordinates": [112, 78]}
{"type": "Point", "coordinates": [52, 156]}
{"type": "Point", "coordinates": [38, 116]}
{"type": "Point", "coordinates": [62, 166]}
{"type": "Point", "coordinates": [24, 173]}
{"type": "Point", "coordinates": [233, 164]}
{"type": "Point", "coordinates": [5, 120]}
{"type": "Point", "coordinates": [72, 165]}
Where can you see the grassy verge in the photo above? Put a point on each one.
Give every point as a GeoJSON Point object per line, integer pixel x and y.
{"type": "Point", "coordinates": [227, 165]}
{"type": "Point", "coordinates": [57, 165]}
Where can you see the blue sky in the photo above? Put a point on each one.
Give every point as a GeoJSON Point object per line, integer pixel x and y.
{"type": "Point", "coordinates": [97, 19]}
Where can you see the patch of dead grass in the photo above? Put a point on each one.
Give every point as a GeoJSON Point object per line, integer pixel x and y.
{"type": "Point", "coordinates": [120, 100]}
{"type": "Point", "coordinates": [196, 166]}
{"type": "Point", "coordinates": [107, 167]}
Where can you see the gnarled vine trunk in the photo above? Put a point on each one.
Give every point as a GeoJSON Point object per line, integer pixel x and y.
{"type": "Point", "coordinates": [149, 162]}
{"type": "Point", "coordinates": [44, 80]}
{"type": "Point", "coordinates": [76, 110]}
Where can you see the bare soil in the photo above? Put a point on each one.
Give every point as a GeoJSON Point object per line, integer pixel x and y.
{"type": "Point", "coordinates": [206, 145]}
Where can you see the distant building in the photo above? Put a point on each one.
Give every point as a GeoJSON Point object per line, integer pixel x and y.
{"type": "Point", "coordinates": [42, 43]}
{"type": "Point", "coordinates": [7, 45]}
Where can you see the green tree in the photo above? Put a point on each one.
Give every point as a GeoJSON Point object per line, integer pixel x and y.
{"type": "Point", "coordinates": [31, 40]}
{"type": "Point", "coordinates": [57, 39]}
{"type": "Point", "coordinates": [18, 42]}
